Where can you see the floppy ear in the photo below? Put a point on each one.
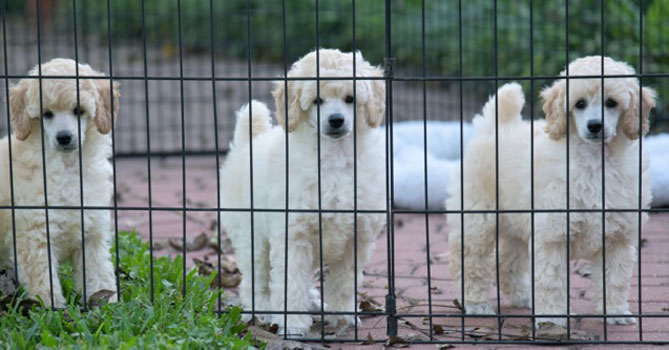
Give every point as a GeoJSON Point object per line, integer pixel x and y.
{"type": "Point", "coordinates": [103, 105]}
{"type": "Point", "coordinates": [554, 109]}
{"type": "Point", "coordinates": [17, 108]}
{"type": "Point", "coordinates": [630, 118]}
{"type": "Point", "coordinates": [375, 107]}
{"type": "Point", "coordinates": [294, 111]}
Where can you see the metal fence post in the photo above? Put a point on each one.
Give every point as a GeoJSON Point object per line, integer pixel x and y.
{"type": "Point", "coordinates": [388, 74]}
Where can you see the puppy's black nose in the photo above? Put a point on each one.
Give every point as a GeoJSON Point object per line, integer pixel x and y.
{"type": "Point", "coordinates": [64, 138]}
{"type": "Point", "coordinates": [594, 126]}
{"type": "Point", "coordinates": [336, 120]}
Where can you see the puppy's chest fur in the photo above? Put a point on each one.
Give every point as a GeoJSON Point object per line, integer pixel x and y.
{"type": "Point", "coordinates": [63, 189]}
{"type": "Point", "coordinates": [337, 193]}
{"type": "Point", "coordinates": [621, 185]}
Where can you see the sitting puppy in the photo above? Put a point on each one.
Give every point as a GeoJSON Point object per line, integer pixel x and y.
{"type": "Point", "coordinates": [328, 113]}
{"type": "Point", "coordinates": [615, 124]}
{"type": "Point", "coordinates": [62, 112]}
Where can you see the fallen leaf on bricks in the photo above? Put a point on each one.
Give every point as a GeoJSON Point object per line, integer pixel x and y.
{"type": "Point", "coordinates": [159, 245]}
{"type": "Point", "coordinates": [436, 290]}
{"type": "Point", "coordinates": [367, 306]}
{"type": "Point", "coordinates": [584, 270]}
{"type": "Point", "coordinates": [397, 342]}
{"type": "Point", "coordinates": [230, 276]}
{"type": "Point", "coordinates": [665, 309]}
{"type": "Point", "coordinates": [437, 329]}
{"type": "Point", "coordinates": [524, 334]}
{"type": "Point", "coordinates": [416, 337]}
{"type": "Point", "coordinates": [196, 243]}
{"type": "Point", "coordinates": [292, 345]}
{"type": "Point", "coordinates": [260, 334]}
{"type": "Point", "coordinates": [213, 244]}
{"type": "Point", "coordinates": [551, 331]}
{"type": "Point", "coordinates": [445, 346]}
{"type": "Point", "coordinates": [369, 340]}
{"type": "Point", "coordinates": [457, 304]}
{"type": "Point", "coordinates": [480, 332]}
{"type": "Point", "coordinates": [100, 298]}
{"type": "Point", "coordinates": [644, 242]}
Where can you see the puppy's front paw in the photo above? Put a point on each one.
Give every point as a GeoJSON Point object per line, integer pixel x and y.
{"type": "Point", "coordinates": [343, 321]}
{"type": "Point", "coordinates": [621, 320]}
{"type": "Point", "coordinates": [479, 309]}
{"type": "Point", "coordinates": [297, 326]}
{"type": "Point", "coordinates": [260, 319]}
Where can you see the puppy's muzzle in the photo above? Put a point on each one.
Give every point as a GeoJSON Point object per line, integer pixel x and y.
{"type": "Point", "coordinates": [594, 126]}
{"type": "Point", "coordinates": [336, 126]}
{"type": "Point", "coordinates": [64, 139]}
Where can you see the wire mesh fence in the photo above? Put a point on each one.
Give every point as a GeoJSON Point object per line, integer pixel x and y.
{"type": "Point", "coordinates": [186, 66]}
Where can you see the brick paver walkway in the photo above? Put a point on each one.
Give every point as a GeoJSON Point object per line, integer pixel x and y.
{"type": "Point", "coordinates": [410, 260]}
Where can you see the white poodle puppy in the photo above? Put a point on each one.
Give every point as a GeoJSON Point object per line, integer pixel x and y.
{"type": "Point", "coordinates": [60, 117]}
{"type": "Point", "coordinates": [616, 124]}
{"type": "Point", "coordinates": [329, 113]}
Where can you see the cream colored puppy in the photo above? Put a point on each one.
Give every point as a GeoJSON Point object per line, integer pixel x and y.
{"type": "Point", "coordinates": [64, 121]}
{"type": "Point", "coordinates": [616, 124]}
{"type": "Point", "coordinates": [329, 113]}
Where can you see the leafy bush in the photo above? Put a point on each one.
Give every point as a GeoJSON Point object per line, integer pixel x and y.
{"type": "Point", "coordinates": [442, 28]}
{"type": "Point", "coordinates": [172, 321]}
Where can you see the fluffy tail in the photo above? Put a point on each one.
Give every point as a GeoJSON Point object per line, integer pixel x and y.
{"type": "Point", "coordinates": [260, 121]}
{"type": "Point", "coordinates": [510, 103]}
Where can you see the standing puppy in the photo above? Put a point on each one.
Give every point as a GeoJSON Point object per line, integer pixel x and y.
{"type": "Point", "coordinates": [70, 122]}
{"type": "Point", "coordinates": [307, 113]}
{"type": "Point", "coordinates": [606, 118]}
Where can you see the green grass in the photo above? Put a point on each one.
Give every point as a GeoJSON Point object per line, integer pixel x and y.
{"type": "Point", "coordinates": [172, 321]}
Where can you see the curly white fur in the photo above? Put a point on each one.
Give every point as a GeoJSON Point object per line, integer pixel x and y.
{"type": "Point", "coordinates": [59, 100]}
{"type": "Point", "coordinates": [621, 162]}
{"type": "Point", "coordinates": [267, 234]}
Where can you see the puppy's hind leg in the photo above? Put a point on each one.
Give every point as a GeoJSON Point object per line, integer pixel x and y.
{"type": "Point", "coordinates": [514, 270]}
{"type": "Point", "coordinates": [479, 238]}
{"type": "Point", "coordinates": [254, 295]}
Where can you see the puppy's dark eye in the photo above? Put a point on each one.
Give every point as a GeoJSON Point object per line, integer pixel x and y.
{"type": "Point", "coordinates": [48, 115]}
{"type": "Point", "coordinates": [611, 103]}
{"type": "Point", "coordinates": [580, 104]}
{"type": "Point", "coordinates": [78, 111]}
{"type": "Point", "coordinates": [318, 101]}
{"type": "Point", "coordinates": [349, 99]}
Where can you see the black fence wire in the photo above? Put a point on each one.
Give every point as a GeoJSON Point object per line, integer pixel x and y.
{"type": "Point", "coordinates": [185, 66]}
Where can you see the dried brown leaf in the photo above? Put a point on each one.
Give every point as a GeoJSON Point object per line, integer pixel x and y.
{"type": "Point", "coordinates": [397, 342]}
{"type": "Point", "coordinates": [365, 305]}
{"type": "Point", "coordinates": [197, 243]}
{"type": "Point", "coordinates": [369, 340]}
{"type": "Point", "coordinates": [100, 298]}
{"type": "Point", "coordinates": [456, 302]}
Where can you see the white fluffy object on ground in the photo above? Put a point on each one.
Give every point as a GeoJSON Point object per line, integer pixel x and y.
{"type": "Point", "coordinates": [443, 154]}
{"type": "Point", "coordinates": [657, 147]}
